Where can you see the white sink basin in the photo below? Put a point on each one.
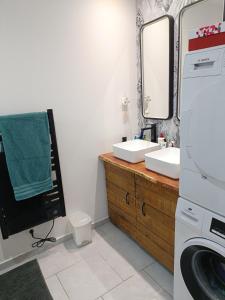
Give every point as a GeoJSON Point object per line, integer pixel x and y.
{"type": "Point", "coordinates": [134, 151]}
{"type": "Point", "coordinates": [165, 161]}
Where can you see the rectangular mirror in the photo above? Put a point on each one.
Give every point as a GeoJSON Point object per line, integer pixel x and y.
{"type": "Point", "coordinates": [157, 43]}
{"type": "Point", "coordinates": [193, 16]}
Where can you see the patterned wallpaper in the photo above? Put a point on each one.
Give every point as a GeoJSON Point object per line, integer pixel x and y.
{"type": "Point", "coordinates": [148, 10]}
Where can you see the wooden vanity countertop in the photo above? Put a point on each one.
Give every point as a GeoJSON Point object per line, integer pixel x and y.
{"type": "Point", "coordinates": [141, 170]}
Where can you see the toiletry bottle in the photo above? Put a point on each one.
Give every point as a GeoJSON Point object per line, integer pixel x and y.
{"type": "Point", "coordinates": [163, 144]}
{"type": "Point", "coordinates": [161, 140]}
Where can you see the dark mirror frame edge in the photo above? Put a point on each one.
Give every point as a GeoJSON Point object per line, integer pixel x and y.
{"type": "Point", "coordinates": [171, 64]}
{"type": "Point", "coordinates": [178, 64]}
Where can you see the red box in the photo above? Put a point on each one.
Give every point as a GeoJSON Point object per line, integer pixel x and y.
{"type": "Point", "coordinates": [206, 37]}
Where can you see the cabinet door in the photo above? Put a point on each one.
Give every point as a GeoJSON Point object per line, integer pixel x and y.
{"type": "Point", "coordinates": [155, 233]}
{"type": "Point", "coordinates": [160, 198]}
{"type": "Point", "coordinates": [122, 220]}
{"type": "Point", "coordinates": [157, 251]}
{"type": "Point", "coordinates": [120, 177]}
{"type": "Point", "coordinates": [155, 221]}
{"type": "Point", "coordinates": [121, 199]}
{"type": "Point", "coordinates": [156, 239]}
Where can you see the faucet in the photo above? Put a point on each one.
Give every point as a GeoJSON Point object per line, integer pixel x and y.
{"type": "Point", "coordinates": [152, 127]}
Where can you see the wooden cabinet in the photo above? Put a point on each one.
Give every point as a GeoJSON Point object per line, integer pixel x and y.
{"type": "Point", "coordinates": [122, 220]}
{"type": "Point", "coordinates": [157, 196]}
{"type": "Point", "coordinates": [121, 178]}
{"type": "Point", "coordinates": [143, 204]}
{"type": "Point", "coordinates": [122, 199]}
{"type": "Point", "coordinates": [156, 222]}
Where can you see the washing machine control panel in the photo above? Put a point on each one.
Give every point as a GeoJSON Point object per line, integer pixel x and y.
{"type": "Point", "coordinates": [218, 228]}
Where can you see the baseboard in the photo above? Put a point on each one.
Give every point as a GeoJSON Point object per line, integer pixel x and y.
{"type": "Point", "coordinates": [32, 253]}
{"type": "Point", "coordinates": [100, 222]}
{"type": "Point", "coordinates": [35, 252]}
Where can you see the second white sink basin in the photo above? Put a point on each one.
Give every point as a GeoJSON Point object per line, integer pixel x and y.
{"type": "Point", "coordinates": [165, 161]}
{"type": "Point", "coordinates": [133, 151]}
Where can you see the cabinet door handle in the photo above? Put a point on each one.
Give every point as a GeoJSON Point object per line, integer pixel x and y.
{"type": "Point", "coordinates": [142, 209]}
{"type": "Point", "coordinates": [126, 199]}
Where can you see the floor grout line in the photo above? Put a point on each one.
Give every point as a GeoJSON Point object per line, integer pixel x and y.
{"type": "Point", "coordinates": [107, 262]}
{"type": "Point", "coordinates": [152, 279]}
{"type": "Point", "coordinates": [62, 286]}
{"type": "Point", "coordinates": [117, 273]}
{"type": "Point", "coordinates": [127, 262]}
{"type": "Point", "coordinates": [143, 269]}
{"type": "Point", "coordinates": [100, 252]}
{"type": "Point", "coordinates": [160, 286]}
{"type": "Point", "coordinates": [116, 286]}
{"type": "Point", "coordinates": [64, 269]}
{"type": "Point", "coordinates": [68, 267]}
{"type": "Point", "coordinates": [135, 270]}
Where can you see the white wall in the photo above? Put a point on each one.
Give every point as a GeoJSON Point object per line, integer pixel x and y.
{"type": "Point", "coordinates": [79, 58]}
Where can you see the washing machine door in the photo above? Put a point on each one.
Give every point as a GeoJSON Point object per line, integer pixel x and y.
{"type": "Point", "coordinates": [205, 143]}
{"type": "Point", "coordinates": [202, 265]}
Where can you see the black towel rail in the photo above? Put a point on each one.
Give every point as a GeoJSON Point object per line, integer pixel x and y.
{"type": "Point", "coordinates": [16, 216]}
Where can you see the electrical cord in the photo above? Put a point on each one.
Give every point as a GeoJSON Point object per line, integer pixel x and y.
{"type": "Point", "coordinates": [42, 241]}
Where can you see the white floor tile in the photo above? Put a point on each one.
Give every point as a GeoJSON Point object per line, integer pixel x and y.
{"type": "Point", "coordinates": [138, 287]}
{"type": "Point", "coordinates": [96, 271]}
{"type": "Point", "coordinates": [107, 228]}
{"type": "Point", "coordinates": [103, 272]}
{"type": "Point", "coordinates": [56, 259]}
{"type": "Point", "coordinates": [164, 296]}
{"type": "Point", "coordinates": [162, 276]}
{"type": "Point", "coordinates": [56, 288]}
{"type": "Point", "coordinates": [123, 255]}
{"type": "Point", "coordinates": [111, 233]}
{"type": "Point", "coordinates": [117, 262]}
{"type": "Point", "coordinates": [134, 254]}
{"type": "Point", "coordinates": [100, 246]}
{"type": "Point", "coordinates": [88, 279]}
{"type": "Point", "coordinates": [85, 251]}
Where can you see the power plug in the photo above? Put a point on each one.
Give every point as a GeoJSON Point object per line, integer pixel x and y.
{"type": "Point", "coordinates": [41, 241]}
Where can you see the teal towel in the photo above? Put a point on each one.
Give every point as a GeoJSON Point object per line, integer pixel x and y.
{"type": "Point", "coordinates": [26, 143]}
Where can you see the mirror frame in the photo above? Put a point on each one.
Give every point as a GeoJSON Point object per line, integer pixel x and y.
{"type": "Point", "coordinates": [171, 65]}
{"type": "Point", "coordinates": [179, 53]}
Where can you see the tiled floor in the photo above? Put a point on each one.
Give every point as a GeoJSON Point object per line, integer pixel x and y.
{"type": "Point", "coordinates": [112, 267]}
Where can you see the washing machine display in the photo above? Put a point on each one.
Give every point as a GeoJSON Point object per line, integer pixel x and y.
{"type": "Point", "coordinates": [218, 227]}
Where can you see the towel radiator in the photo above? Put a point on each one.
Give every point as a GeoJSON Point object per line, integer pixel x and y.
{"type": "Point", "coordinates": [16, 216]}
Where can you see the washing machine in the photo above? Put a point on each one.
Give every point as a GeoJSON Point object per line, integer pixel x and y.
{"type": "Point", "coordinates": [202, 178]}
{"type": "Point", "coordinates": [199, 272]}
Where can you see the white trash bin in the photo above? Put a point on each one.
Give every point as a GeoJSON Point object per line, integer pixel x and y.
{"type": "Point", "coordinates": [81, 226]}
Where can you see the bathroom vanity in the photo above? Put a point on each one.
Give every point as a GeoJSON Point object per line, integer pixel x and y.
{"type": "Point", "coordinates": [142, 203]}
